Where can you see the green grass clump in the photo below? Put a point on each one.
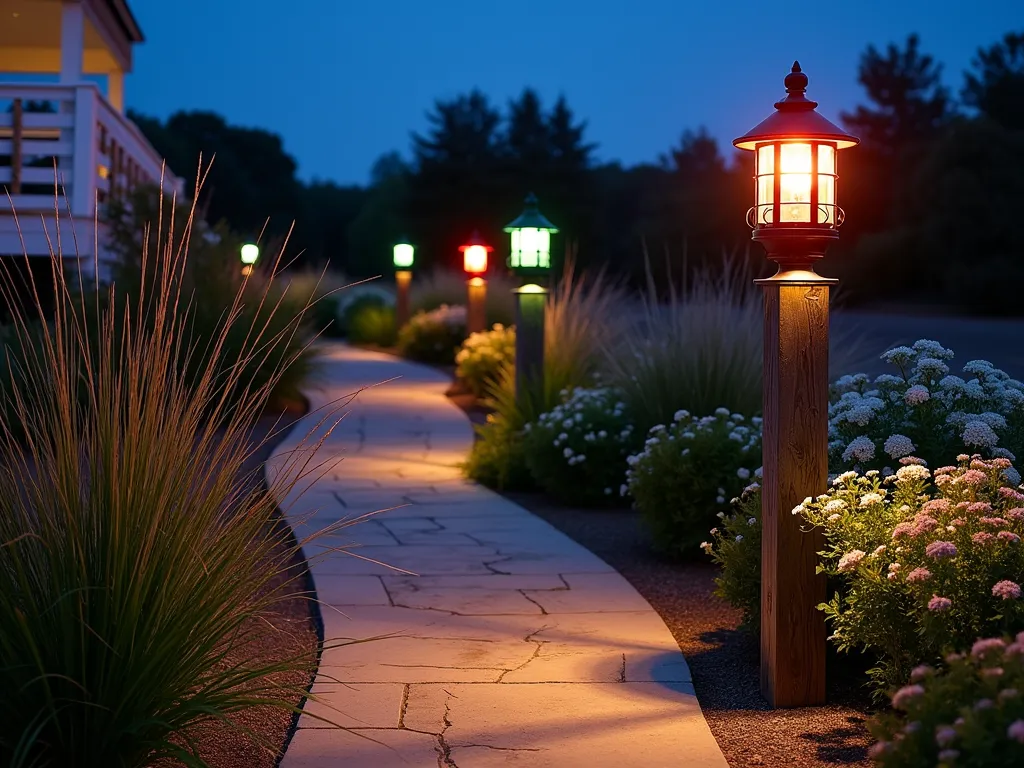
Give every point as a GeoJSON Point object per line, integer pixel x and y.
{"type": "Point", "coordinates": [136, 558]}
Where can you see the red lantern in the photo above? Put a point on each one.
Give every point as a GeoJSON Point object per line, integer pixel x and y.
{"type": "Point", "coordinates": [795, 215]}
{"type": "Point", "coordinates": [474, 255]}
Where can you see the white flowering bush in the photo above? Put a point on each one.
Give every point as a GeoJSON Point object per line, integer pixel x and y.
{"type": "Point", "coordinates": [925, 411]}
{"type": "Point", "coordinates": [479, 361]}
{"type": "Point", "coordinates": [577, 451]}
{"type": "Point", "coordinates": [433, 337]}
{"type": "Point", "coordinates": [968, 713]}
{"type": "Point", "coordinates": [688, 471]}
{"type": "Point", "coordinates": [735, 545]}
{"type": "Point", "coordinates": [925, 561]}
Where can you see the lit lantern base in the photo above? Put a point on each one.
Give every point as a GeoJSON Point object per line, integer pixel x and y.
{"type": "Point", "coordinates": [795, 248]}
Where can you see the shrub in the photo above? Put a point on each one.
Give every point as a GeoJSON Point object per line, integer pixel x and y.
{"type": "Point", "coordinates": [967, 714]}
{"type": "Point", "coordinates": [370, 319]}
{"type": "Point", "coordinates": [922, 567]}
{"type": "Point", "coordinates": [138, 563]}
{"type": "Point", "coordinates": [434, 336]}
{"type": "Point", "coordinates": [688, 471]}
{"type": "Point", "coordinates": [577, 451]}
{"type": "Point", "coordinates": [890, 419]}
{"type": "Point", "coordinates": [736, 547]}
{"type": "Point", "coordinates": [924, 411]}
{"type": "Point", "coordinates": [483, 355]}
{"type": "Point", "coordinates": [448, 287]}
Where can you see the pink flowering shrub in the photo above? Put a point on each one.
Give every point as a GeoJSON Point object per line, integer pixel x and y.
{"type": "Point", "coordinates": [967, 713]}
{"type": "Point", "coordinates": [921, 409]}
{"type": "Point", "coordinates": [924, 562]}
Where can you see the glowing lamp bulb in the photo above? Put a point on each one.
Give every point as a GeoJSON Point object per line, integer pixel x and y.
{"type": "Point", "coordinates": [249, 253]}
{"type": "Point", "coordinates": [403, 255]}
{"type": "Point", "coordinates": [475, 259]}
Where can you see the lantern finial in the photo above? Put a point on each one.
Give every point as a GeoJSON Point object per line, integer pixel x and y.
{"type": "Point", "coordinates": [796, 85]}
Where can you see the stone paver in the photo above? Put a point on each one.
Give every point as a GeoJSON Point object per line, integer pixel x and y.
{"type": "Point", "coordinates": [493, 639]}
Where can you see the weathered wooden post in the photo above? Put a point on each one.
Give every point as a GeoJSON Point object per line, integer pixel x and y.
{"type": "Point", "coordinates": [795, 218]}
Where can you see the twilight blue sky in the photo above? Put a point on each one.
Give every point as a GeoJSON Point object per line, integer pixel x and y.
{"type": "Point", "coordinates": [344, 81]}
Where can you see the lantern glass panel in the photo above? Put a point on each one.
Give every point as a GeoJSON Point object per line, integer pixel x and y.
{"type": "Point", "coordinates": [826, 184]}
{"type": "Point", "coordinates": [532, 247]}
{"type": "Point", "coordinates": [475, 259]}
{"type": "Point", "coordinates": [765, 184]}
{"type": "Point", "coordinates": [795, 183]}
{"type": "Point", "coordinates": [403, 255]}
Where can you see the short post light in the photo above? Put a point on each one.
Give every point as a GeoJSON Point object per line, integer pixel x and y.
{"type": "Point", "coordinates": [403, 255]}
{"type": "Point", "coordinates": [474, 262]}
{"type": "Point", "coordinates": [530, 257]}
{"type": "Point", "coordinates": [795, 217]}
{"type": "Point", "coordinates": [249, 253]}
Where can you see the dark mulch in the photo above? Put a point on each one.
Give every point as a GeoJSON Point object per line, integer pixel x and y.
{"type": "Point", "coordinates": [723, 658]}
{"type": "Point", "coordinates": [296, 629]}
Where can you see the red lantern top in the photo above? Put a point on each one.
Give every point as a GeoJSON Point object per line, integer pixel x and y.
{"type": "Point", "coordinates": [795, 119]}
{"type": "Point", "coordinates": [474, 254]}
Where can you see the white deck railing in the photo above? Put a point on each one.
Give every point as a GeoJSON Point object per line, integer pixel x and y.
{"type": "Point", "coordinates": [98, 152]}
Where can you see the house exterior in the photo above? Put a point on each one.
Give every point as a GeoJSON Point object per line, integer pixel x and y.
{"type": "Point", "coordinates": [54, 115]}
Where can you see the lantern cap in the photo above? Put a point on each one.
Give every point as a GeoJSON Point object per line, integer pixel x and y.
{"type": "Point", "coordinates": [531, 217]}
{"type": "Point", "coordinates": [795, 118]}
{"type": "Point", "coordinates": [403, 240]}
{"type": "Point", "coordinates": [475, 240]}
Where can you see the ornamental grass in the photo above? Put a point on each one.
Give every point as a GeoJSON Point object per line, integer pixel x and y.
{"type": "Point", "coordinates": [136, 558]}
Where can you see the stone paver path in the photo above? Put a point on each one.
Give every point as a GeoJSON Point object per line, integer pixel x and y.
{"type": "Point", "coordinates": [511, 644]}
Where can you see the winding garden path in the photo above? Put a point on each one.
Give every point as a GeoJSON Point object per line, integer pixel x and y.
{"type": "Point", "coordinates": [511, 644]}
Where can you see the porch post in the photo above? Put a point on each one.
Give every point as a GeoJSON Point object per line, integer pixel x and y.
{"type": "Point", "coordinates": [72, 41]}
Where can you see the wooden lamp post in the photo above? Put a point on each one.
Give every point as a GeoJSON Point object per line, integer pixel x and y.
{"type": "Point", "coordinates": [795, 218]}
{"type": "Point", "coordinates": [530, 257]}
{"type": "Point", "coordinates": [403, 254]}
{"type": "Point", "coordinates": [474, 262]}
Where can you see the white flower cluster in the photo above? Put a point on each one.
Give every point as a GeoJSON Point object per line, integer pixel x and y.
{"type": "Point", "coordinates": [685, 430]}
{"type": "Point", "coordinates": [923, 404]}
{"type": "Point", "coordinates": [573, 423]}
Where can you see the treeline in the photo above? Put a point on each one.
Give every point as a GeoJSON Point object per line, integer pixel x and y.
{"type": "Point", "coordinates": [931, 195]}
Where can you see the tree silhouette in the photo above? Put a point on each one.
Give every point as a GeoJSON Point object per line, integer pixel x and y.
{"type": "Point", "coordinates": [569, 150]}
{"type": "Point", "coordinates": [996, 86]}
{"type": "Point", "coordinates": [910, 103]}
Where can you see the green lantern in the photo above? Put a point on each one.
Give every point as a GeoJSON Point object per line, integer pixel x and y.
{"type": "Point", "coordinates": [531, 240]}
{"type": "Point", "coordinates": [403, 253]}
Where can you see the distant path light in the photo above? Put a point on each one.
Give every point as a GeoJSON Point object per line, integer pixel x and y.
{"type": "Point", "coordinates": [530, 246]}
{"type": "Point", "coordinates": [249, 253]}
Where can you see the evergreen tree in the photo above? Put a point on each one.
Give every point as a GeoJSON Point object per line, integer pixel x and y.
{"type": "Point", "coordinates": [569, 150]}
{"type": "Point", "coordinates": [996, 86]}
{"type": "Point", "coordinates": [910, 103]}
